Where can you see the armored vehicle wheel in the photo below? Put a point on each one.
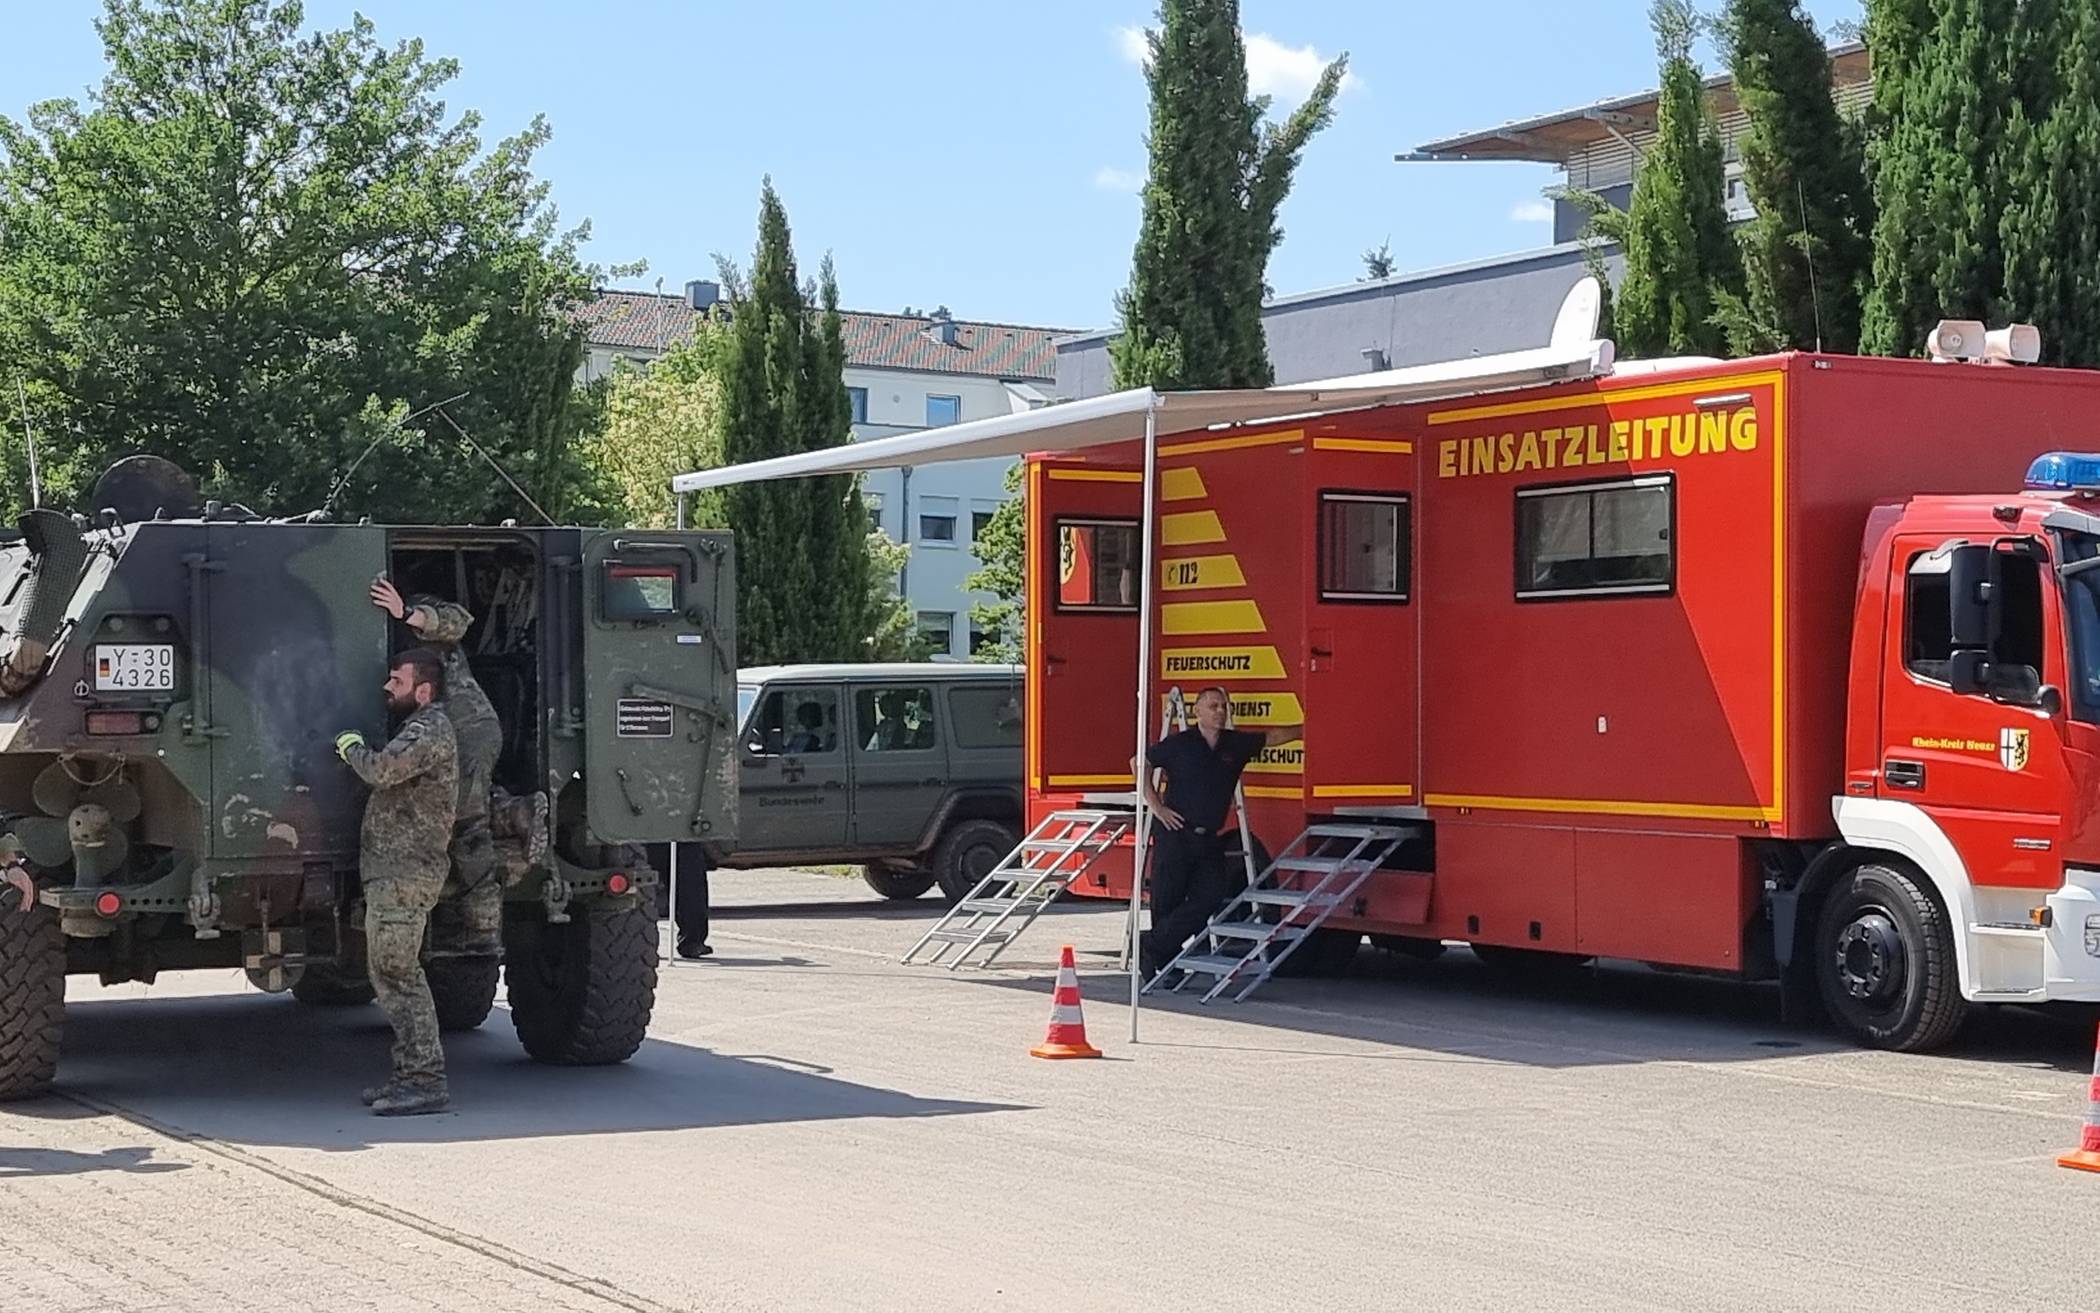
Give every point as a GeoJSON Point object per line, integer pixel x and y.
{"type": "Point", "coordinates": [463, 988]}
{"type": "Point", "coordinates": [581, 992]}
{"type": "Point", "coordinates": [1885, 962]}
{"type": "Point", "coordinates": [902, 883]}
{"type": "Point", "coordinates": [32, 999]}
{"type": "Point", "coordinates": [325, 985]}
{"type": "Point", "coordinates": [967, 854]}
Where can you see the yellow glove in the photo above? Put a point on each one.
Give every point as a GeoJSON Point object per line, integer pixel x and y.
{"type": "Point", "coordinates": [345, 740]}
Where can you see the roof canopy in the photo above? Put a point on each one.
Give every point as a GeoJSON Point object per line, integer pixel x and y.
{"type": "Point", "coordinates": [1119, 416]}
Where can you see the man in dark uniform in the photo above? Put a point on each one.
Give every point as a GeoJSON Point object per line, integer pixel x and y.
{"type": "Point", "coordinates": [402, 863]}
{"type": "Point", "coordinates": [1190, 880]}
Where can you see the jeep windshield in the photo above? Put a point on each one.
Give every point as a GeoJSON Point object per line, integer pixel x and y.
{"type": "Point", "coordinates": [746, 697]}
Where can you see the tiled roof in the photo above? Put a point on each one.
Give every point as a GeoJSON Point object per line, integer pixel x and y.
{"type": "Point", "coordinates": [650, 321]}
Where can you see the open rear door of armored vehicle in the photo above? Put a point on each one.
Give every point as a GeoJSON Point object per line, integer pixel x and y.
{"type": "Point", "coordinates": [659, 677]}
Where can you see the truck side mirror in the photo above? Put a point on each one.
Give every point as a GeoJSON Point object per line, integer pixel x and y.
{"type": "Point", "coordinates": [1972, 597]}
{"type": "Point", "coordinates": [2021, 686]}
{"type": "Point", "coordinates": [1969, 671]}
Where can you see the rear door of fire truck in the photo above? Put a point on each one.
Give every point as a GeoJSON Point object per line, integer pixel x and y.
{"type": "Point", "coordinates": [1362, 702]}
{"type": "Point", "coordinates": [1084, 557]}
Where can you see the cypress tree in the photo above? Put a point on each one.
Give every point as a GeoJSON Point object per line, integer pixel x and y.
{"type": "Point", "coordinates": [2052, 172]}
{"type": "Point", "coordinates": [1218, 172]}
{"type": "Point", "coordinates": [1947, 134]}
{"type": "Point", "coordinates": [1806, 255]}
{"type": "Point", "coordinates": [1679, 254]}
{"type": "Point", "coordinates": [802, 576]}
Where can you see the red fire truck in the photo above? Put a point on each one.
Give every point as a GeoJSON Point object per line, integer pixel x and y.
{"type": "Point", "coordinates": [1769, 667]}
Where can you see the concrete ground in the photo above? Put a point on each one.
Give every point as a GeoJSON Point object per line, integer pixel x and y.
{"type": "Point", "coordinates": [812, 1126]}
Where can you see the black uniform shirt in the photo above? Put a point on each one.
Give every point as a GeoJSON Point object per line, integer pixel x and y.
{"type": "Point", "coordinates": [1200, 778]}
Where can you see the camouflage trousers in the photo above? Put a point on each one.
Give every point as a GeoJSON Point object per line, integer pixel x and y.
{"type": "Point", "coordinates": [477, 883]}
{"type": "Point", "coordinates": [397, 907]}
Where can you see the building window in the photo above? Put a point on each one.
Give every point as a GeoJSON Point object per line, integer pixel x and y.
{"type": "Point", "coordinates": [1363, 547]}
{"type": "Point", "coordinates": [874, 505]}
{"type": "Point", "coordinates": [892, 719]}
{"type": "Point", "coordinates": [979, 639]}
{"type": "Point", "coordinates": [942, 410]}
{"type": "Point", "coordinates": [937, 629]}
{"type": "Point", "coordinates": [1596, 539]}
{"type": "Point", "coordinates": [937, 528]}
{"type": "Point", "coordinates": [1097, 564]}
{"type": "Point", "coordinates": [979, 521]}
{"type": "Point", "coordinates": [858, 399]}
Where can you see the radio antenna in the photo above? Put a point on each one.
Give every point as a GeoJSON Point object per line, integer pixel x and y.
{"type": "Point", "coordinates": [36, 483]}
{"type": "Point", "coordinates": [1808, 248]}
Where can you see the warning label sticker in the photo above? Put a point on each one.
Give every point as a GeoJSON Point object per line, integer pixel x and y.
{"type": "Point", "coordinates": [639, 718]}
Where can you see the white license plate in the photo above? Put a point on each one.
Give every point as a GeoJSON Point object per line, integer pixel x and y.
{"type": "Point", "coordinates": [129, 667]}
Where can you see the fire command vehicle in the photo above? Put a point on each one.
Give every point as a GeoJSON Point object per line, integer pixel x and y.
{"type": "Point", "coordinates": [1770, 667]}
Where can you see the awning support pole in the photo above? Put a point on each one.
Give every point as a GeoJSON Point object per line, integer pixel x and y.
{"type": "Point", "coordinates": [1147, 571]}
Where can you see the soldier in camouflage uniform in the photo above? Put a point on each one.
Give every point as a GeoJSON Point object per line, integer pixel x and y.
{"type": "Point", "coordinates": [444, 625]}
{"type": "Point", "coordinates": [402, 853]}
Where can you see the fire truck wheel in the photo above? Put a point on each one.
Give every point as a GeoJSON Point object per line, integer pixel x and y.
{"type": "Point", "coordinates": [967, 854]}
{"type": "Point", "coordinates": [1885, 962]}
{"type": "Point", "coordinates": [32, 999]}
{"type": "Point", "coordinates": [902, 883]}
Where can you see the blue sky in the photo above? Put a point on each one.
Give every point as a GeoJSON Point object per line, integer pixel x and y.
{"type": "Point", "coordinates": [981, 156]}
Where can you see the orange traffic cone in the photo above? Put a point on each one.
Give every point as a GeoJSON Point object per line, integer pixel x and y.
{"type": "Point", "coordinates": [1067, 1037]}
{"type": "Point", "coordinates": [2086, 1157]}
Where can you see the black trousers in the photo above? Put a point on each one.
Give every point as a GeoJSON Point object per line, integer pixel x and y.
{"type": "Point", "coordinates": [1191, 880]}
{"type": "Point", "coordinates": [691, 904]}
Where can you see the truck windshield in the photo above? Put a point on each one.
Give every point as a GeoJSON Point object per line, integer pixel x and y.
{"type": "Point", "coordinates": [2082, 607]}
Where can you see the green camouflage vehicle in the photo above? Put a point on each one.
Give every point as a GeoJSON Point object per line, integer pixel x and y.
{"type": "Point", "coordinates": [172, 678]}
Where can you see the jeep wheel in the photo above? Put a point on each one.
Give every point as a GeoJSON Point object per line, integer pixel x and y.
{"type": "Point", "coordinates": [902, 883]}
{"type": "Point", "coordinates": [32, 999]}
{"type": "Point", "coordinates": [463, 988]}
{"type": "Point", "coordinates": [326, 985]}
{"type": "Point", "coordinates": [968, 853]}
{"type": "Point", "coordinates": [581, 992]}
{"type": "Point", "coordinates": [1885, 962]}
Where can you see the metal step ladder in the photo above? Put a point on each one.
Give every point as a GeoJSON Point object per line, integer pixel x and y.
{"type": "Point", "coordinates": [1251, 936]}
{"type": "Point", "coordinates": [1056, 853]}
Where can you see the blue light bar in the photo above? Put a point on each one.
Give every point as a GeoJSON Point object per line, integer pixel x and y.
{"type": "Point", "coordinates": [2064, 471]}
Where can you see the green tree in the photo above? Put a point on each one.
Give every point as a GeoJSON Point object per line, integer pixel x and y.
{"type": "Point", "coordinates": [1806, 255]}
{"type": "Point", "coordinates": [255, 251]}
{"type": "Point", "coordinates": [1679, 254]}
{"type": "Point", "coordinates": [803, 586]}
{"type": "Point", "coordinates": [1946, 124]}
{"type": "Point", "coordinates": [1001, 548]}
{"type": "Point", "coordinates": [2050, 228]}
{"type": "Point", "coordinates": [662, 421]}
{"type": "Point", "coordinates": [893, 631]}
{"type": "Point", "coordinates": [1218, 173]}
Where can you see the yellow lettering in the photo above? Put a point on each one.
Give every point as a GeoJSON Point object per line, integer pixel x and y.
{"type": "Point", "coordinates": [1447, 458]}
{"type": "Point", "coordinates": [1742, 431]}
{"type": "Point", "coordinates": [1528, 457]}
{"type": "Point", "coordinates": [1683, 436]}
{"type": "Point", "coordinates": [1658, 434]}
{"type": "Point", "coordinates": [1713, 432]}
{"type": "Point", "coordinates": [1483, 452]}
{"type": "Point", "coordinates": [1621, 438]}
{"type": "Point", "coordinates": [1593, 456]}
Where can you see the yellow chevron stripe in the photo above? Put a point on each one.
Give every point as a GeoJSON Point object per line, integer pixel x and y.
{"type": "Point", "coordinates": [1182, 483]}
{"type": "Point", "coordinates": [1188, 528]}
{"type": "Point", "coordinates": [1240, 616]}
{"type": "Point", "coordinates": [1217, 665]}
{"type": "Point", "coordinates": [1184, 573]}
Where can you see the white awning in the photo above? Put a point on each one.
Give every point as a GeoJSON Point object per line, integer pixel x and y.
{"type": "Point", "coordinates": [1118, 417]}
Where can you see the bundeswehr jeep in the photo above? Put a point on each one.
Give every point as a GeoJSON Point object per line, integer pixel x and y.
{"type": "Point", "coordinates": [170, 689]}
{"type": "Point", "coordinates": [911, 769]}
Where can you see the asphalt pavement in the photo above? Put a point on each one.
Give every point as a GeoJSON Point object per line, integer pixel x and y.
{"type": "Point", "coordinates": [813, 1126]}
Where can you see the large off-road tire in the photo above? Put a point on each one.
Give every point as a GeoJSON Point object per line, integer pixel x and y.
{"type": "Point", "coordinates": [325, 985]}
{"type": "Point", "coordinates": [32, 999]}
{"type": "Point", "coordinates": [968, 852]}
{"type": "Point", "coordinates": [898, 882]}
{"type": "Point", "coordinates": [463, 988]}
{"type": "Point", "coordinates": [1885, 962]}
{"type": "Point", "coordinates": [581, 992]}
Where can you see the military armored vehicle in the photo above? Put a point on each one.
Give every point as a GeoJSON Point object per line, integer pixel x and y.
{"type": "Point", "coordinates": [172, 678]}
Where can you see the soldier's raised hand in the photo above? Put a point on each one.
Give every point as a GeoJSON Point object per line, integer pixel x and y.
{"type": "Point", "coordinates": [388, 598]}
{"type": "Point", "coordinates": [13, 874]}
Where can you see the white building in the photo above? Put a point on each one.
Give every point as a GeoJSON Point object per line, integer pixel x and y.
{"type": "Point", "coordinates": [903, 372]}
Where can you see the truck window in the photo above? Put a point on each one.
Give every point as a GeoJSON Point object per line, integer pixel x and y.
{"type": "Point", "coordinates": [892, 718]}
{"type": "Point", "coordinates": [1097, 564]}
{"type": "Point", "coordinates": [985, 716]}
{"type": "Point", "coordinates": [1364, 541]}
{"type": "Point", "coordinates": [1928, 640]}
{"type": "Point", "coordinates": [795, 722]}
{"type": "Point", "coordinates": [1597, 539]}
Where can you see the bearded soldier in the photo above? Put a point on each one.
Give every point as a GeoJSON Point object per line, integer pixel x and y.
{"type": "Point", "coordinates": [401, 853]}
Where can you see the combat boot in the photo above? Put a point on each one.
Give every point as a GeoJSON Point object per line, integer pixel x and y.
{"type": "Point", "coordinates": [375, 1093]}
{"type": "Point", "coordinates": [404, 1100]}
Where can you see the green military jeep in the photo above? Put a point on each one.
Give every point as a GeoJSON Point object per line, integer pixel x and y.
{"type": "Point", "coordinates": [913, 770]}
